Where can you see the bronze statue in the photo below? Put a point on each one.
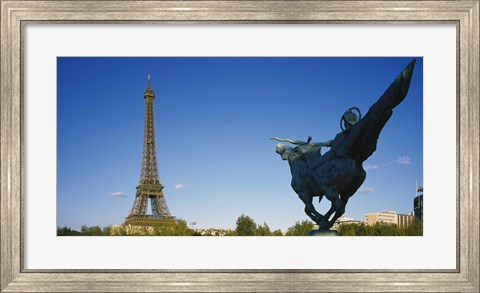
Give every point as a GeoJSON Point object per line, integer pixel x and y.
{"type": "Point", "coordinates": [339, 173]}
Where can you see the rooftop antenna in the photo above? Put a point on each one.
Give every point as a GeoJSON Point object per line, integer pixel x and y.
{"type": "Point", "coordinates": [149, 79]}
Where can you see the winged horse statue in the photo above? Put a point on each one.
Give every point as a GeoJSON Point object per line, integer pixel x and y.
{"type": "Point", "coordinates": [339, 173]}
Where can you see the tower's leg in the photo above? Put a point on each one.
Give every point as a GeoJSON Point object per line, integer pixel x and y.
{"type": "Point", "coordinates": [140, 205]}
{"type": "Point", "coordinates": [144, 204]}
{"type": "Point", "coordinates": [164, 212]}
{"type": "Point", "coordinates": [153, 203]}
{"type": "Point", "coordinates": [137, 205]}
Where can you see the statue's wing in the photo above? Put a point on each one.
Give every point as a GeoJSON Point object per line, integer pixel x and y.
{"type": "Point", "coordinates": [360, 141]}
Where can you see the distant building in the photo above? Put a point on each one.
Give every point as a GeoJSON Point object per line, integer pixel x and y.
{"type": "Point", "coordinates": [213, 231]}
{"type": "Point", "coordinates": [385, 217]}
{"type": "Point", "coordinates": [418, 207]}
{"type": "Point", "coordinates": [404, 220]}
{"type": "Point", "coordinates": [344, 220]}
{"type": "Point", "coordinates": [389, 217]}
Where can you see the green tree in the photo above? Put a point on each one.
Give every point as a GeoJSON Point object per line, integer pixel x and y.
{"type": "Point", "coordinates": [245, 226]}
{"type": "Point", "coordinates": [107, 231]}
{"type": "Point", "coordinates": [350, 229]}
{"type": "Point", "coordinates": [91, 231]}
{"type": "Point", "coordinates": [362, 229]}
{"type": "Point", "coordinates": [380, 229]}
{"type": "Point", "coordinates": [300, 228]}
{"type": "Point", "coordinates": [230, 233]}
{"type": "Point", "coordinates": [386, 229]}
{"type": "Point", "coordinates": [66, 231]}
{"type": "Point", "coordinates": [415, 228]}
{"type": "Point", "coordinates": [277, 232]}
{"type": "Point", "coordinates": [173, 228]}
{"type": "Point", "coordinates": [182, 229]}
{"type": "Point", "coordinates": [263, 230]}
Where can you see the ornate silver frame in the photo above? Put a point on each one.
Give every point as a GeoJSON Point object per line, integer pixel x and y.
{"type": "Point", "coordinates": [465, 14]}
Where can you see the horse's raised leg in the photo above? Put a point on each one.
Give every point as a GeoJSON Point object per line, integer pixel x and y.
{"type": "Point", "coordinates": [334, 198]}
{"type": "Point", "coordinates": [340, 211]}
{"type": "Point", "coordinates": [310, 209]}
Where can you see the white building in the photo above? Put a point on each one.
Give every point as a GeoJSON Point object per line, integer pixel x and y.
{"type": "Point", "coordinates": [390, 217]}
{"type": "Point", "coordinates": [345, 220]}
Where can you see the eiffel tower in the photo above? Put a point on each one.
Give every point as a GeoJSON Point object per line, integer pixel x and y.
{"type": "Point", "coordinates": [149, 187]}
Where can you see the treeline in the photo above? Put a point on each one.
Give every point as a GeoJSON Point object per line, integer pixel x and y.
{"type": "Point", "coordinates": [245, 226]}
{"type": "Point", "coordinates": [171, 228]}
{"type": "Point", "coordinates": [84, 231]}
{"type": "Point", "coordinates": [381, 229]}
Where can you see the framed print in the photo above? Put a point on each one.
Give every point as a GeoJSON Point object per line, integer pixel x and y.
{"type": "Point", "coordinates": [222, 76]}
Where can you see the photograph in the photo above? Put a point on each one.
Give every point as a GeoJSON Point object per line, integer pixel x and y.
{"type": "Point", "coordinates": [239, 146]}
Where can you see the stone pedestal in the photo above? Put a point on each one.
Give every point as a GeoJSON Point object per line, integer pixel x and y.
{"type": "Point", "coordinates": [323, 233]}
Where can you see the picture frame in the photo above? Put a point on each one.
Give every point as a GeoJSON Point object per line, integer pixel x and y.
{"type": "Point", "coordinates": [15, 278]}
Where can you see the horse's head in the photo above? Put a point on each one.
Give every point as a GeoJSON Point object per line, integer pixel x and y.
{"type": "Point", "coordinates": [283, 150]}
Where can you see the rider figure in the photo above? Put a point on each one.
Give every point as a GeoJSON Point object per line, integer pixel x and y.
{"type": "Point", "coordinates": [310, 152]}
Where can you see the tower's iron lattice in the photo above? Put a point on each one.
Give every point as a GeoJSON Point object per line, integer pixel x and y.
{"type": "Point", "coordinates": [149, 187]}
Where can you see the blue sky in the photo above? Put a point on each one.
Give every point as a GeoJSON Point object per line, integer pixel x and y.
{"type": "Point", "coordinates": [213, 119]}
